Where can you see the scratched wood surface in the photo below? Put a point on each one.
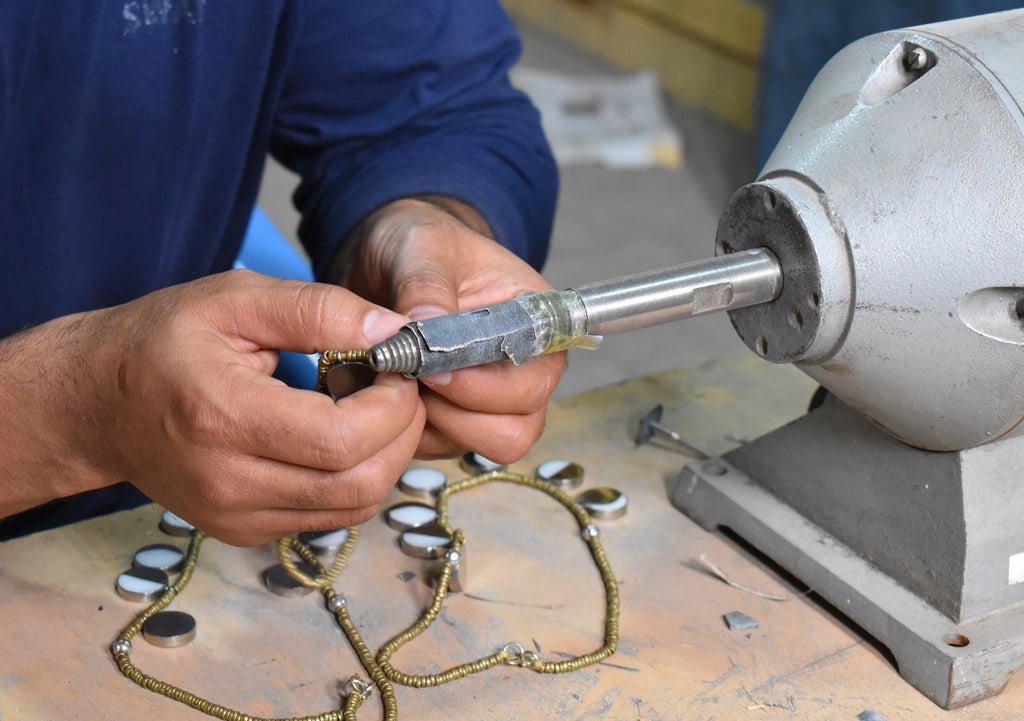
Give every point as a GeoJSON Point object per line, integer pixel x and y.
{"type": "Point", "coordinates": [530, 580]}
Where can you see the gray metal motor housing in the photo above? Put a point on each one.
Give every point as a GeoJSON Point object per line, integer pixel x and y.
{"type": "Point", "coordinates": [895, 203]}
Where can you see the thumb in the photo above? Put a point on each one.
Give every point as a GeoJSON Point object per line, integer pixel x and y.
{"type": "Point", "coordinates": [425, 292]}
{"type": "Point", "coordinates": [303, 317]}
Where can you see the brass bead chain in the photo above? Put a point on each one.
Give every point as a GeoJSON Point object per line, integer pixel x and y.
{"type": "Point", "coordinates": [379, 668]}
{"type": "Point", "coordinates": [525, 658]}
{"type": "Point", "coordinates": [122, 647]}
{"type": "Point", "coordinates": [324, 578]}
{"type": "Point", "coordinates": [330, 358]}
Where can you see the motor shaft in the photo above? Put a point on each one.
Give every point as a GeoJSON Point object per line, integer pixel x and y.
{"type": "Point", "coordinates": [666, 294]}
{"type": "Point", "coordinates": [533, 323]}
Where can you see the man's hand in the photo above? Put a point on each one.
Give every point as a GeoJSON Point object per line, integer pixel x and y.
{"type": "Point", "coordinates": [173, 392]}
{"type": "Point", "coordinates": [423, 261]}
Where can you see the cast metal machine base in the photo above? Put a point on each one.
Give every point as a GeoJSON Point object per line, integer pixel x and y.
{"type": "Point", "coordinates": [923, 550]}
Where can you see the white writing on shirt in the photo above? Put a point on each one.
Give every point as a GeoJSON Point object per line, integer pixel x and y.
{"type": "Point", "coordinates": [139, 14]}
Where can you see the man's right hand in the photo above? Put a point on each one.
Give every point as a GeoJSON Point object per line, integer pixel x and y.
{"type": "Point", "coordinates": [174, 392]}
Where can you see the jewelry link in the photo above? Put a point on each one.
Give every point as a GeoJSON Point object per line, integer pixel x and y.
{"type": "Point", "coordinates": [513, 653]}
{"type": "Point", "coordinates": [356, 685]}
{"type": "Point", "coordinates": [516, 655]}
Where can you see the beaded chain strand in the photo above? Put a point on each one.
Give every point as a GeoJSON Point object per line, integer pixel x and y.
{"type": "Point", "coordinates": [378, 666]}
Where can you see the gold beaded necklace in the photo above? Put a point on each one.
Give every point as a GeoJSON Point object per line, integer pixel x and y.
{"type": "Point", "coordinates": [378, 666]}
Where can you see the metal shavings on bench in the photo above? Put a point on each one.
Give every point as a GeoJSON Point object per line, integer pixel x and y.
{"type": "Point", "coordinates": [720, 574]}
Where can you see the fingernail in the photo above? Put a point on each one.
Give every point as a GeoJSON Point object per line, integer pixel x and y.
{"type": "Point", "coordinates": [380, 324]}
{"type": "Point", "coordinates": [438, 379]}
{"type": "Point", "coordinates": [426, 311]}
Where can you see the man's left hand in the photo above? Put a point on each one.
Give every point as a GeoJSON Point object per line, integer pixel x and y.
{"type": "Point", "coordinates": [424, 261]}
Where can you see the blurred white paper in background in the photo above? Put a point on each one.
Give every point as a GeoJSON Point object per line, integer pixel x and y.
{"type": "Point", "coordinates": [617, 121]}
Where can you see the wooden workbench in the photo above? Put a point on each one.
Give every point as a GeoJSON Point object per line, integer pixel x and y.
{"type": "Point", "coordinates": [530, 579]}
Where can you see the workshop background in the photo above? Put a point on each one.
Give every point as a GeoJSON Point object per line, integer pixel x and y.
{"type": "Point", "coordinates": [718, 81]}
{"type": "Point", "coordinates": [729, 74]}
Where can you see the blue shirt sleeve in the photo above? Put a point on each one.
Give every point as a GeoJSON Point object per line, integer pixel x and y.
{"type": "Point", "coordinates": [393, 98]}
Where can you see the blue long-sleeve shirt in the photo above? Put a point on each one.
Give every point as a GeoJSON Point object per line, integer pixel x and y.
{"type": "Point", "coordinates": [133, 135]}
